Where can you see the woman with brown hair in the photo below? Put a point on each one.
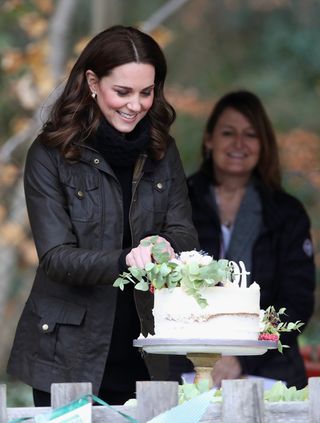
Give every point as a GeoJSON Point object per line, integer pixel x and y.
{"type": "Point", "coordinates": [103, 175]}
{"type": "Point", "coordinates": [241, 212]}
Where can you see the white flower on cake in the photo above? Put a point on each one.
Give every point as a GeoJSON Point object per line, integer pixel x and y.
{"type": "Point", "coordinates": [187, 257]}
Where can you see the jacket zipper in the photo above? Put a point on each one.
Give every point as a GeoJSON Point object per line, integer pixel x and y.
{"type": "Point", "coordinates": [137, 175]}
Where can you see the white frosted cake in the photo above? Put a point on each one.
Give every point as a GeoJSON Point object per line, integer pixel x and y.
{"type": "Point", "coordinates": [232, 313]}
{"type": "Point", "coordinates": [196, 297]}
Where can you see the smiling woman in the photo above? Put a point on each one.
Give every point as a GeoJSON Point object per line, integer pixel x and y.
{"type": "Point", "coordinates": [124, 105]}
{"type": "Point", "coordinates": [235, 149]}
{"type": "Point", "coordinates": [234, 144]}
{"type": "Point", "coordinates": [103, 175]}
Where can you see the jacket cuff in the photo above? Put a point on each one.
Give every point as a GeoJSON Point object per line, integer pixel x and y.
{"type": "Point", "coordinates": [122, 260]}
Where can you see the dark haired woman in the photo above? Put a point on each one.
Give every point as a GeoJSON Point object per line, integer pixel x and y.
{"type": "Point", "coordinates": [103, 175]}
{"type": "Point", "coordinates": [241, 212]}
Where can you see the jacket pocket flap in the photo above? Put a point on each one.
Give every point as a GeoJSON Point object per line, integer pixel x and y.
{"type": "Point", "coordinates": [53, 311]}
{"type": "Point", "coordinates": [85, 182]}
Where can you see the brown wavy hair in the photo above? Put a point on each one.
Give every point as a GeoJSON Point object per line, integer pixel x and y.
{"type": "Point", "coordinates": [75, 115]}
{"type": "Point", "coordinates": [249, 105]}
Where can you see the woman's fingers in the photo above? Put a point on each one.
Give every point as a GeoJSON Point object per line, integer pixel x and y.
{"type": "Point", "coordinates": [139, 256]}
{"type": "Point", "coordinates": [142, 255]}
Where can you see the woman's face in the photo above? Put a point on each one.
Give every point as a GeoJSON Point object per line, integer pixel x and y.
{"type": "Point", "coordinates": [125, 95]}
{"type": "Point", "coordinates": [234, 145]}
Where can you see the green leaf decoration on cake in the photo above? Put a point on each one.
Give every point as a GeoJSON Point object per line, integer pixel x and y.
{"type": "Point", "coordinates": [191, 270]}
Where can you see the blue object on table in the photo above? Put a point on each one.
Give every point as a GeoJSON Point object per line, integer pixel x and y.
{"type": "Point", "coordinates": [189, 412]}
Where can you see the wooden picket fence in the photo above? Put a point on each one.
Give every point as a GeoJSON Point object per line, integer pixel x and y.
{"type": "Point", "coordinates": [242, 402]}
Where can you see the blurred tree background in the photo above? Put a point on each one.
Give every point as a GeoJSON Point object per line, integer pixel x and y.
{"type": "Point", "coordinates": [212, 46]}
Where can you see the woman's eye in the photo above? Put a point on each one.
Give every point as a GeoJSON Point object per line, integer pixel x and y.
{"type": "Point", "coordinates": [122, 93]}
{"type": "Point", "coordinates": [226, 133]}
{"type": "Point", "coordinates": [251, 135]}
{"type": "Point", "coordinates": [146, 93]}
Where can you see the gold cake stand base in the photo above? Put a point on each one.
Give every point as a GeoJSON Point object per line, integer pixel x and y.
{"type": "Point", "coordinates": [203, 365]}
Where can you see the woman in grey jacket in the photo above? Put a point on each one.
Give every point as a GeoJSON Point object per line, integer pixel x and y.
{"type": "Point", "coordinates": [103, 175]}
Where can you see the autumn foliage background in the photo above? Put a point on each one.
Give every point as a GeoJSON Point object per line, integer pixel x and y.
{"type": "Point", "coordinates": [212, 46]}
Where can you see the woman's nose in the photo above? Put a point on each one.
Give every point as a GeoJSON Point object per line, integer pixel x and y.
{"type": "Point", "coordinates": [134, 104]}
{"type": "Point", "coordinates": [238, 140]}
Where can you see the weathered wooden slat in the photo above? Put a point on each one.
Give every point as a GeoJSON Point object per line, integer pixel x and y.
{"type": "Point", "coordinates": [280, 412]}
{"type": "Point", "coordinates": [154, 398]}
{"type": "Point", "coordinates": [64, 393]}
{"type": "Point", "coordinates": [19, 412]}
{"type": "Point", "coordinates": [314, 398]}
{"type": "Point", "coordinates": [3, 404]}
{"type": "Point", "coordinates": [103, 414]}
{"type": "Point", "coordinates": [286, 412]}
{"type": "Point", "coordinates": [242, 401]}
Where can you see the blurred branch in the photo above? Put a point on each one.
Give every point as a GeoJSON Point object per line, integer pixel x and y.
{"type": "Point", "coordinates": [105, 13]}
{"type": "Point", "coordinates": [58, 34]}
{"type": "Point", "coordinates": [59, 27]}
{"type": "Point", "coordinates": [161, 15]}
{"type": "Point", "coordinates": [18, 139]}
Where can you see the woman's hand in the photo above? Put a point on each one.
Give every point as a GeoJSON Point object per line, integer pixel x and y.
{"type": "Point", "coordinates": [228, 367]}
{"type": "Point", "coordinates": [142, 255]}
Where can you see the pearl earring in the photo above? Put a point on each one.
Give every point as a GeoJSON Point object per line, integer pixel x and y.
{"type": "Point", "coordinates": [93, 95]}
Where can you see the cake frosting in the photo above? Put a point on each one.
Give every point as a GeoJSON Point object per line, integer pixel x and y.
{"type": "Point", "coordinates": [232, 312]}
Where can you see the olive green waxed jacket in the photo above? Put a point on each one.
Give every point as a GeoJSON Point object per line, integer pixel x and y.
{"type": "Point", "coordinates": [75, 212]}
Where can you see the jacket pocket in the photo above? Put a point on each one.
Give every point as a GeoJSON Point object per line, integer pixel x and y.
{"type": "Point", "coordinates": [83, 195]}
{"type": "Point", "coordinates": [61, 331]}
{"type": "Point", "coordinates": [154, 194]}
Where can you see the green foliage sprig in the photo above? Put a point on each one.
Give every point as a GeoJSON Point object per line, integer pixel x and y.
{"type": "Point", "coordinates": [190, 270]}
{"type": "Point", "coordinates": [279, 392]}
{"type": "Point", "coordinates": [272, 326]}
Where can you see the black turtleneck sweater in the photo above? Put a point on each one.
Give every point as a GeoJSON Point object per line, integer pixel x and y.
{"type": "Point", "coordinates": [124, 364]}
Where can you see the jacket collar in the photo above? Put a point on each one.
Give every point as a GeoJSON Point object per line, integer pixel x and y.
{"type": "Point", "coordinates": [270, 209]}
{"type": "Point", "coordinates": [91, 156]}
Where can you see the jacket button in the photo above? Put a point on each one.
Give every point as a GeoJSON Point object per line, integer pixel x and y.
{"type": "Point", "coordinates": [159, 185]}
{"type": "Point", "coordinates": [80, 194]}
{"type": "Point", "coordinates": [96, 161]}
{"type": "Point", "coordinates": [45, 327]}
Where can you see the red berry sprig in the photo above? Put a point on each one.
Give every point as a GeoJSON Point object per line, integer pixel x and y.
{"type": "Point", "coordinates": [268, 337]}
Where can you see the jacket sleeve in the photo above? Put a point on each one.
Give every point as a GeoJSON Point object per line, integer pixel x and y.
{"type": "Point", "coordinates": [296, 270]}
{"type": "Point", "coordinates": [293, 288]}
{"type": "Point", "coordinates": [56, 243]}
{"type": "Point", "coordinates": [178, 227]}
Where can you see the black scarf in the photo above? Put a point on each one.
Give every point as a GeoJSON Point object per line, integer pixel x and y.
{"type": "Point", "coordinates": [121, 150]}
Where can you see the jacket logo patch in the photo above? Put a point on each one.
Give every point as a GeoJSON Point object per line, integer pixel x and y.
{"type": "Point", "coordinates": [307, 247]}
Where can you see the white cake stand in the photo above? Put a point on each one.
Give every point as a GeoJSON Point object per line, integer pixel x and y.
{"type": "Point", "coordinates": [204, 353]}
